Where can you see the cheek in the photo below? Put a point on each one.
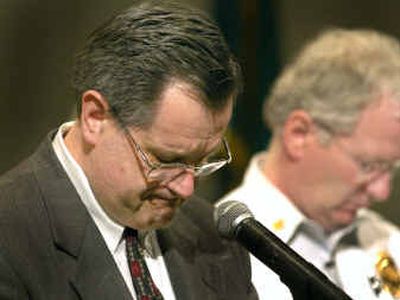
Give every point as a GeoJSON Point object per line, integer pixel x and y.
{"type": "Point", "coordinates": [124, 178]}
{"type": "Point", "coordinates": [340, 190]}
{"type": "Point", "coordinates": [344, 172]}
{"type": "Point", "coordinates": [334, 184]}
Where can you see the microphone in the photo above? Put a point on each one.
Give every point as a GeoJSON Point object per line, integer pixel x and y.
{"type": "Point", "coordinates": [235, 221]}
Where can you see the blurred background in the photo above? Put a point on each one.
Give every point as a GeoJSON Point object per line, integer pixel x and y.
{"type": "Point", "coordinates": [38, 39]}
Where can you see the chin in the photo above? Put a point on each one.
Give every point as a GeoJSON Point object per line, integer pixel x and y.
{"type": "Point", "coordinates": [344, 219]}
{"type": "Point", "coordinates": [159, 223]}
{"type": "Point", "coordinates": [162, 217]}
{"type": "Point", "coordinates": [158, 212]}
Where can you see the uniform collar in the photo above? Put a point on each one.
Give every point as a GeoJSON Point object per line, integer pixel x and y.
{"type": "Point", "coordinates": [269, 205]}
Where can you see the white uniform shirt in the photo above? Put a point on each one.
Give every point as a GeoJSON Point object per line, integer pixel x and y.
{"type": "Point", "coordinates": [111, 231]}
{"type": "Point", "coordinates": [346, 256]}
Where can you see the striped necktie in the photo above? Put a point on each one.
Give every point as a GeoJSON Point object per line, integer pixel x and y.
{"type": "Point", "coordinates": [144, 285]}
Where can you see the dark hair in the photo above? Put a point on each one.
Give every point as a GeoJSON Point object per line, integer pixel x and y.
{"type": "Point", "coordinates": [131, 59]}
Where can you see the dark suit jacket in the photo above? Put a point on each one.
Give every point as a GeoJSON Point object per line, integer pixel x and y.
{"type": "Point", "coordinates": [51, 249]}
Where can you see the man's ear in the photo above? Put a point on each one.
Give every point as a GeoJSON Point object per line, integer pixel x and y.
{"type": "Point", "coordinates": [297, 132]}
{"type": "Point", "coordinates": [94, 112]}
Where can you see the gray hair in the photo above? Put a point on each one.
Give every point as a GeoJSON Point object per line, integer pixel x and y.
{"type": "Point", "coordinates": [335, 77]}
{"type": "Point", "coordinates": [133, 57]}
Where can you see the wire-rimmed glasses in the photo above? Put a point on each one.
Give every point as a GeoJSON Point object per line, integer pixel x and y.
{"type": "Point", "coordinates": [370, 169]}
{"type": "Point", "coordinates": [161, 172]}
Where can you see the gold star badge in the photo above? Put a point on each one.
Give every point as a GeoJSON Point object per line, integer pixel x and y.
{"type": "Point", "coordinates": [278, 225]}
{"type": "Point", "coordinates": [388, 273]}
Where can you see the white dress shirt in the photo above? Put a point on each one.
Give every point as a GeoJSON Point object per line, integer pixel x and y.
{"type": "Point", "coordinates": [350, 266]}
{"type": "Point", "coordinates": [110, 230]}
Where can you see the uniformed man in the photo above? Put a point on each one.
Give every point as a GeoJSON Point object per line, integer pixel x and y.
{"type": "Point", "coordinates": [335, 120]}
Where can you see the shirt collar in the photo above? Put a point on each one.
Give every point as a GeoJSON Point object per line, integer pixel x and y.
{"type": "Point", "coordinates": [269, 205]}
{"type": "Point", "coordinates": [110, 230]}
{"type": "Point", "coordinates": [329, 241]}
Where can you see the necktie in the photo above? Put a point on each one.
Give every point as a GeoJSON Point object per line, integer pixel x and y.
{"type": "Point", "coordinates": [143, 283]}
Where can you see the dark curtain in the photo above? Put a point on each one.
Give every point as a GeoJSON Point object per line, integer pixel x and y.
{"type": "Point", "coordinates": [250, 29]}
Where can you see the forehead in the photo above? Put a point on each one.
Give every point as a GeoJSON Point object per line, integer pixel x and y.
{"type": "Point", "coordinates": [182, 121]}
{"type": "Point", "coordinates": [378, 128]}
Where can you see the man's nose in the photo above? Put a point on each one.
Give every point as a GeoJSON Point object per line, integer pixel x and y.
{"type": "Point", "coordinates": [379, 187]}
{"type": "Point", "coordinates": [183, 185]}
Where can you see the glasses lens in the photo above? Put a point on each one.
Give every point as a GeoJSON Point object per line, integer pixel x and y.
{"type": "Point", "coordinates": [165, 174]}
{"type": "Point", "coordinates": [379, 167]}
{"type": "Point", "coordinates": [209, 168]}
{"type": "Point", "coordinates": [222, 153]}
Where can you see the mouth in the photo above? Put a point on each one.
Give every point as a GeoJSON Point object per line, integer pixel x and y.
{"type": "Point", "coordinates": [164, 209]}
{"type": "Point", "coordinates": [357, 206]}
{"type": "Point", "coordinates": [357, 202]}
{"type": "Point", "coordinates": [352, 211]}
{"type": "Point", "coordinates": [163, 200]}
{"type": "Point", "coordinates": [161, 197]}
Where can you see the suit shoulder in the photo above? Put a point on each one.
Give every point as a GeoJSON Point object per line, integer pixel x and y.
{"type": "Point", "coordinates": [17, 188]}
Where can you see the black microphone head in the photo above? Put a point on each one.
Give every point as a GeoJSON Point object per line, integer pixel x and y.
{"type": "Point", "coordinates": [228, 215]}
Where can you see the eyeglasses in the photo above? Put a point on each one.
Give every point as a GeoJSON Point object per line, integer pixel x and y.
{"type": "Point", "coordinates": [368, 169]}
{"type": "Point", "coordinates": [161, 172]}
{"type": "Point", "coordinates": [371, 169]}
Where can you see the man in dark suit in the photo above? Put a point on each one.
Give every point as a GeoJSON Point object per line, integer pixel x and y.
{"type": "Point", "coordinates": [157, 85]}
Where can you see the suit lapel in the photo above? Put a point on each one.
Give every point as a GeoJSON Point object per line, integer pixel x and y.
{"type": "Point", "coordinates": [79, 244]}
{"type": "Point", "coordinates": [97, 276]}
